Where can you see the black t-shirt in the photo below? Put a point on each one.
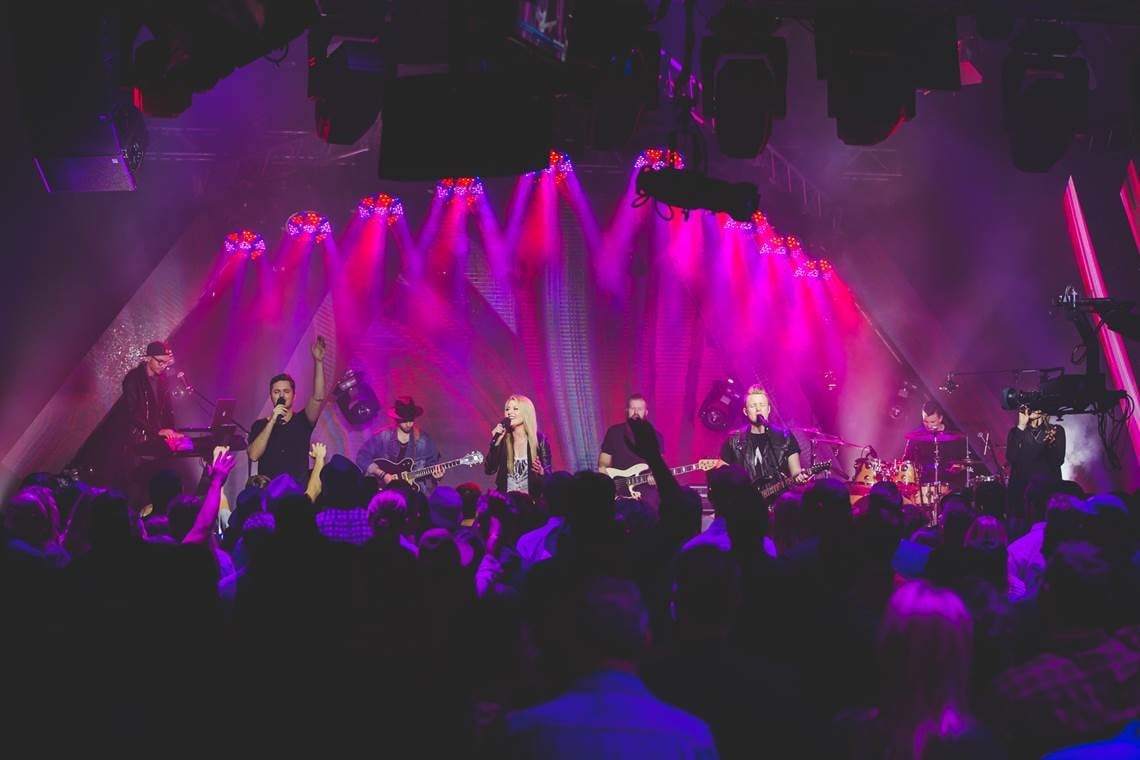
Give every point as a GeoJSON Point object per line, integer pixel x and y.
{"type": "Point", "coordinates": [287, 450]}
{"type": "Point", "coordinates": [774, 446]}
{"type": "Point", "coordinates": [616, 444]}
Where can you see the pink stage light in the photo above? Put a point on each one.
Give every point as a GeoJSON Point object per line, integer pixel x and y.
{"type": "Point", "coordinates": [245, 243]}
{"type": "Point", "coordinates": [777, 245]}
{"type": "Point", "coordinates": [381, 205]}
{"type": "Point", "coordinates": [794, 245]}
{"type": "Point", "coordinates": [469, 188]}
{"type": "Point", "coordinates": [816, 269]}
{"type": "Point", "coordinates": [659, 158]}
{"type": "Point", "coordinates": [560, 165]}
{"type": "Point", "coordinates": [308, 223]}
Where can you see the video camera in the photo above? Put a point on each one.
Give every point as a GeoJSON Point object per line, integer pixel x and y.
{"type": "Point", "coordinates": [1066, 394]}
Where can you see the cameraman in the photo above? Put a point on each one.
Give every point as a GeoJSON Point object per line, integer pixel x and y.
{"type": "Point", "coordinates": [1033, 447]}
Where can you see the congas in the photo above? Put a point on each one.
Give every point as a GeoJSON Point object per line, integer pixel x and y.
{"type": "Point", "coordinates": [904, 474]}
{"type": "Point", "coordinates": [868, 472]}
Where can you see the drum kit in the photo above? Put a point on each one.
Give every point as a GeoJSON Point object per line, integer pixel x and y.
{"type": "Point", "coordinates": [906, 474]}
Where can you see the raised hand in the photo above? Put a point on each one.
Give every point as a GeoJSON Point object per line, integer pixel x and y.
{"type": "Point", "coordinates": [318, 451]}
{"type": "Point", "coordinates": [223, 466]}
{"type": "Point", "coordinates": [319, 349]}
{"type": "Point", "coordinates": [645, 443]}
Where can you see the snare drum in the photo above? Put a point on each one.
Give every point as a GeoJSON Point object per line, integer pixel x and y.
{"type": "Point", "coordinates": [868, 472]}
{"type": "Point", "coordinates": [904, 474]}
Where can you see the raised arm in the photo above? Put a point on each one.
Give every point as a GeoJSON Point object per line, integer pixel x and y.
{"type": "Point", "coordinates": [317, 400]}
{"type": "Point", "coordinates": [318, 451]}
{"type": "Point", "coordinates": [208, 515]}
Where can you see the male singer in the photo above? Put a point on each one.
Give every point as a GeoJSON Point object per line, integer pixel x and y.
{"type": "Point", "coordinates": [767, 452]}
{"type": "Point", "coordinates": [280, 442]}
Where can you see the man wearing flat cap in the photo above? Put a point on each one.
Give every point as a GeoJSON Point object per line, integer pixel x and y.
{"type": "Point", "coordinates": [401, 440]}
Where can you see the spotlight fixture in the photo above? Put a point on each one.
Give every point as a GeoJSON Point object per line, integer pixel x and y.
{"type": "Point", "coordinates": [722, 405]}
{"type": "Point", "coordinates": [689, 189]}
{"type": "Point", "coordinates": [658, 158]}
{"type": "Point", "coordinates": [757, 225]}
{"type": "Point", "coordinates": [308, 223]}
{"type": "Point", "coordinates": [815, 269]}
{"type": "Point", "coordinates": [777, 244]}
{"type": "Point", "coordinates": [245, 243]}
{"type": "Point", "coordinates": [744, 75]}
{"type": "Point", "coordinates": [357, 401]}
{"type": "Point", "coordinates": [469, 188]}
{"type": "Point", "coordinates": [347, 71]}
{"type": "Point", "coordinates": [380, 205]}
{"type": "Point", "coordinates": [1045, 93]}
{"type": "Point", "coordinates": [873, 61]}
{"type": "Point", "coordinates": [560, 166]}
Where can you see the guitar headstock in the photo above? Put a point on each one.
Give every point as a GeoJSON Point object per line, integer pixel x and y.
{"type": "Point", "coordinates": [819, 467]}
{"type": "Point", "coordinates": [475, 457]}
{"type": "Point", "coordinates": [710, 464]}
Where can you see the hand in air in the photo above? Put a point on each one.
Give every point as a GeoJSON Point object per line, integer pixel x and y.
{"type": "Point", "coordinates": [223, 466]}
{"type": "Point", "coordinates": [645, 443]}
{"type": "Point", "coordinates": [319, 349]}
{"type": "Point", "coordinates": [318, 451]}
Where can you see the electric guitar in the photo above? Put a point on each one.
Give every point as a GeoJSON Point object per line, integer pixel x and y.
{"type": "Point", "coordinates": [771, 488]}
{"type": "Point", "coordinates": [403, 468]}
{"type": "Point", "coordinates": [627, 480]}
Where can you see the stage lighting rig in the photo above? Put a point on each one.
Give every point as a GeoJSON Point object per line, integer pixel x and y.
{"type": "Point", "coordinates": [688, 189]}
{"type": "Point", "coordinates": [1045, 94]}
{"type": "Point", "coordinates": [874, 60]}
{"type": "Point", "coordinates": [744, 78]}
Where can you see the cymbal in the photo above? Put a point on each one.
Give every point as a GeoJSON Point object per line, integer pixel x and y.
{"type": "Point", "coordinates": [927, 436]}
{"type": "Point", "coordinates": [827, 439]}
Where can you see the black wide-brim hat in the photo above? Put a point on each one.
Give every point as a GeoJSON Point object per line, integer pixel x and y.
{"type": "Point", "coordinates": [405, 409]}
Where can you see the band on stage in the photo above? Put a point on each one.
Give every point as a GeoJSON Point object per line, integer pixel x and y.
{"type": "Point", "coordinates": [936, 459]}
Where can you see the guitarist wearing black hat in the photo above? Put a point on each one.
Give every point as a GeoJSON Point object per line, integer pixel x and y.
{"type": "Point", "coordinates": [402, 440]}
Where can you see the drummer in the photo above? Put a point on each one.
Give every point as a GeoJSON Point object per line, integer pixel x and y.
{"type": "Point", "coordinates": [934, 437]}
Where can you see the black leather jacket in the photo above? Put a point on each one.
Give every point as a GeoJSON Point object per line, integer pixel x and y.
{"type": "Point", "coordinates": [146, 412]}
{"type": "Point", "coordinates": [496, 464]}
{"type": "Point", "coordinates": [739, 449]}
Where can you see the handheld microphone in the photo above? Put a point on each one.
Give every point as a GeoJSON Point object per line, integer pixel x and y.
{"type": "Point", "coordinates": [506, 423]}
{"type": "Point", "coordinates": [280, 413]}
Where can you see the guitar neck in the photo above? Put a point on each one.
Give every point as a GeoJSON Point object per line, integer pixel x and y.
{"type": "Point", "coordinates": [644, 477]}
{"type": "Point", "coordinates": [424, 472]}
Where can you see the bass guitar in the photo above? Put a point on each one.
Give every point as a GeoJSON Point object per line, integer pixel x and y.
{"type": "Point", "coordinates": [403, 468]}
{"type": "Point", "coordinates": [626, 481]}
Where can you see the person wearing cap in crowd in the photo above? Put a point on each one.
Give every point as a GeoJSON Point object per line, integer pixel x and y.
{"type": "Point", "coordinates": [402, 440]}
{"type": "Point", "coordinates": [280, 443]}
{"type": "Point", "coordinates": [150, 435]}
